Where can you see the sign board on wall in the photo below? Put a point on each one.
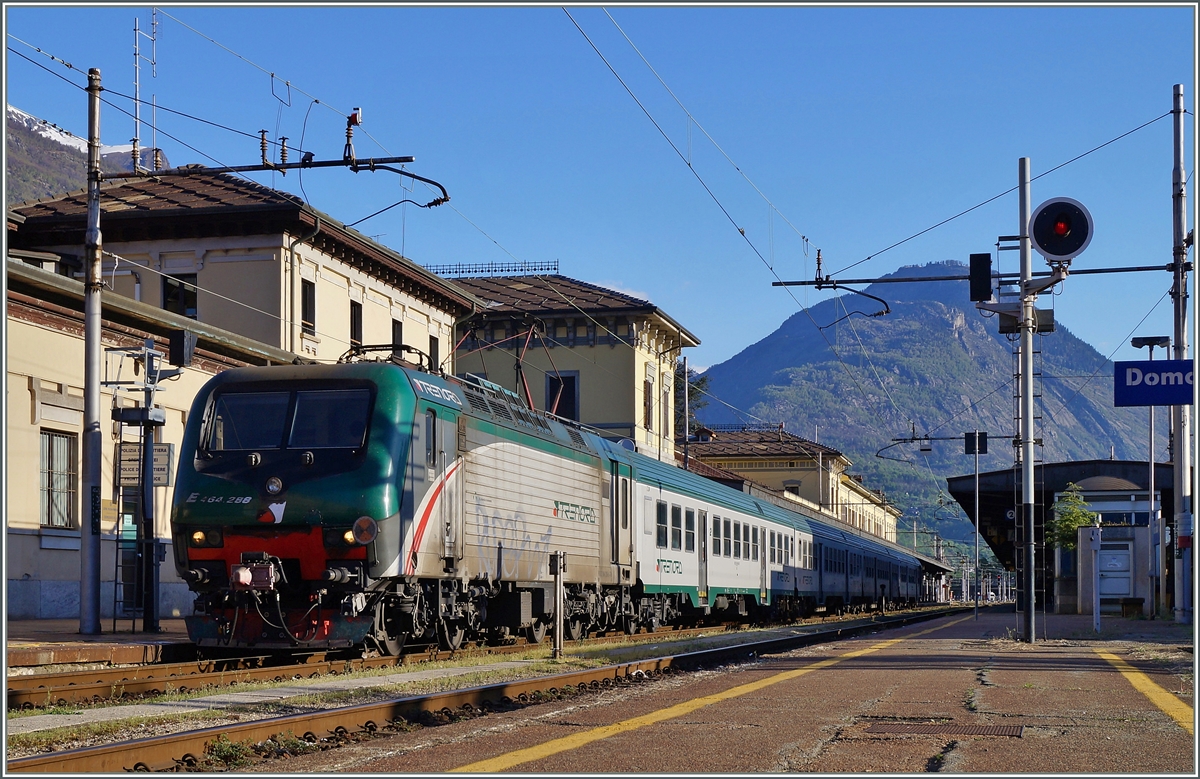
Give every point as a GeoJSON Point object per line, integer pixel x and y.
{"type": "Point", "coordinates": [1153, 383]}
{"type": "Point", "coordinates": [129, 464]}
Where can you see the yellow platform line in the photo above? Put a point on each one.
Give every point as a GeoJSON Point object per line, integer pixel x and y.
{"type": "Point", "coordinates": [567, 743]}
{"type": "Point", "coordinates": [1171, 706]}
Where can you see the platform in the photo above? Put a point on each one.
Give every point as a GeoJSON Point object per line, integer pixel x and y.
{"type": "Point", "coordinates": [37, 642]}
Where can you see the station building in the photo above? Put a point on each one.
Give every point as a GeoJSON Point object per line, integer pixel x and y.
{"type": "Point", "coordinates": [256, 276]}
{"type": "Point", "coordinates": [804, 471]}
{"type": "Point", "coordinates": [601, 357]}
{"type": "Point", "coordinates": [1116, 490]}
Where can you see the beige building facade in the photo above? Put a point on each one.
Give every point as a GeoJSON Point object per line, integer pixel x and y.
{"type": "Point", "coordinates": [600, 357]}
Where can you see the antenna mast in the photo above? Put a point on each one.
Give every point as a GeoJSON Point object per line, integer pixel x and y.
{"type": "Point", "coordinates": [137, 83]}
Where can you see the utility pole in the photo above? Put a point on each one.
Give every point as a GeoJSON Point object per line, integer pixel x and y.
{"type": "Point", "coordinates": [1028, 327]}
{"type": "Point", "coordinates": [89, 531]}
{"type": "Point", "coordinates": [976, 448]}
{"type": "Point", "coordinates": [1181, 422]}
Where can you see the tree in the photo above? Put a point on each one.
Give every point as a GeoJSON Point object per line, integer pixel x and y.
{"type": "Point", "coordinates": [1070, 512]}
{"type": "Point", "coordinates": [697, 386]}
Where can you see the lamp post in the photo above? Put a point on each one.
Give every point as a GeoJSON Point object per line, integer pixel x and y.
{"type": "Point", "coordinates": [1155, 569]}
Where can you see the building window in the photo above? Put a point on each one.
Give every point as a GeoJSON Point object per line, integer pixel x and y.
{"type": "Point", "coordinates": [666, 412]}
{"type": "Point", "coordinates": [59, 479]}
{"type": "Point", "coordinates": [568, 399]}
{"type": "Point", "coordinates": [355, 323]}
{"type": "Point", "coordinates": [179, 294]}
{"type": "Point", "coordinates": [435, 361]}
{"type": "Point", "coordinates": [397, 337]}
{"type": "Point", "coordinates": [308, 307]}
{"type": "Point", "coordinates": [648, 405]}
{"type": "Point", "coordinates": [661, 526]}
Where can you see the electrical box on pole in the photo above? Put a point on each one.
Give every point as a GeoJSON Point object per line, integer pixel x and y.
{"type": "Point", "coordinates": [974, 444]}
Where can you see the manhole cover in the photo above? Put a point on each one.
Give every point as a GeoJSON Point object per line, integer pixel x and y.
{"type": "Point", "coordinates": [947, 730]}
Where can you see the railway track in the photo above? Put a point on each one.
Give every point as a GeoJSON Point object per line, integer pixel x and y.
{"type": "Point", "coordinates": [187, 750]}
{"type": "Point", "coordinates": [30, 691]}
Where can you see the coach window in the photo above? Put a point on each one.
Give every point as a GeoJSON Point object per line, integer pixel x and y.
{"type": "Point", "coordinates": [730, 527]}
{"type": "Point", "coordinates": [772, 546]}
{"type": "Point", "coordinates": [754, 549]}
{"type": "Point", "coordinates": [661, 539]}
{"type": "Point", "coordinates": [716, 541]}
{"type": "Point", "coordinates": [430, 438]}
{"type": "Point", "coordinates": [689, 531]}
{"type": "Point", "coordinates": [676, 527]}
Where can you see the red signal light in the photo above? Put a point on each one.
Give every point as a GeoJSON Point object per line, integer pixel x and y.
{"type": "Point", "coordinates": [1062, 226]}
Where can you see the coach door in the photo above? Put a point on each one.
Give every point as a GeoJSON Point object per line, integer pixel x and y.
{"type": "Point", "coordinates": [702, 574]}
{"type": "Point", "coordinates": [761, 550]}
{"type": "Point", "coordinates": [622, 516]}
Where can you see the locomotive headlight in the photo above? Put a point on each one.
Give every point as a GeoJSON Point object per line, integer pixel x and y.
{"type": "Point", "coordinates": [198, 538]}
{"type": "Point", "coordinates": [274, 485]}
{"type": "Point", "coordinates": [213, 537]}
{"type": "Point", "coordinates": [348, 537]}
{"type": "Point", "coordinates": [364, 531]}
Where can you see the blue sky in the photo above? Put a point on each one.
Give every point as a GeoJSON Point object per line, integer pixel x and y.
{"type": "Point", "coordinates": [861, 126]}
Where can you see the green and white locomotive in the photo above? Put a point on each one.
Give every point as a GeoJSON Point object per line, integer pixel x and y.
{"type": "Point", "coordinates": [368, 504]}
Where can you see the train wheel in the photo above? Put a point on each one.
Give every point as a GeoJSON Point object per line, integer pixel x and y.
{"type": "Point", "coordinates": [536, 633]}
{"type": "Point", "coordinates": [574, 628]}
{"type": "Point", "coordinates": [393, 646]}
{"type": "Point", "coordinates": [450, 635]}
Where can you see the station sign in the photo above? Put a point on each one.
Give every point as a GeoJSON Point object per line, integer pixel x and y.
{"type": "Point", "coordinates": [129, 464]}
{"type": "Point", "coordinates": [1153, 383]}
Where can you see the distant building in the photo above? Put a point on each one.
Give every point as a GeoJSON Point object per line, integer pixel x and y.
{"type": "Point", "coordinates": [803, 470]}
{"type": "Point", "coordinates": [600, 357]}
{"type": "Point", "coordinates": [1118, 491]}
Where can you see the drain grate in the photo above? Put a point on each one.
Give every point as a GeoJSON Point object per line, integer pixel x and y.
{"type": "Point", "coordinates": [947, 730]}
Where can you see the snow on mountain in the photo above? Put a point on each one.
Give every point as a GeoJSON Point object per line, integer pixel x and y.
{"type": "Point", "coordinates": [55, 133]}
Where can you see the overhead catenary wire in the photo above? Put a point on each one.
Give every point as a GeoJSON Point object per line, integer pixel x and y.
{"type": "Point", "coordinates": [721, 206]}
{"type": "Point", "coordinates": [1002, 194]}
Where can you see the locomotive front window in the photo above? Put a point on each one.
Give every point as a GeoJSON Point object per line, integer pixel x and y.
{"type": "Point", "coordinates": [330, 419]}
{"type": "Point", "coordinates": [248, 420]}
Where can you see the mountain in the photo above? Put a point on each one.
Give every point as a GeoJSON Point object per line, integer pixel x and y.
{"type": "Point", "coordinates": [44, 160]}
{"type": "Point", "coordinates": [935, 366]}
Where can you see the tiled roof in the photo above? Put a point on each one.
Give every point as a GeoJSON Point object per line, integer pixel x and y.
{"type": "Point", "coordinates": [758, 443]}
{"type": "Point", "coordinates": [543, 294]}
{"type": "Point", "coordinates": [555, 294]}
{"type": "Point", "coordinates": [165, 193]}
